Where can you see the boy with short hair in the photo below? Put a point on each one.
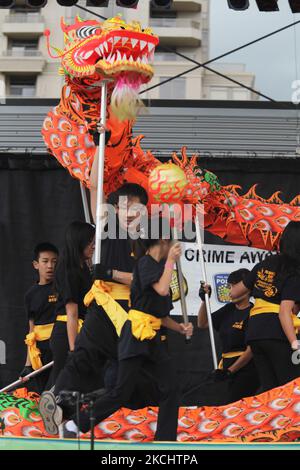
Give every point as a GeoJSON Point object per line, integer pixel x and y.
{"type": "Point", "coordinates": [40, 302]}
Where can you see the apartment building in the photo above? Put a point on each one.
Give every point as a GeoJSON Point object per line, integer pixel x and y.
{"type": "Point", "coordinates": [26, 70]}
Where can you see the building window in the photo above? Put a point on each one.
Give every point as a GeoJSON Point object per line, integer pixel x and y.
{"type": "Point", "coordinates": [24, 86]}
{"type": "Point", "coordinates": [218, 93]}
{"type": "Point", "coordinates": [24, 47]}
{"type": "Point", "coordinates": [174, 90]}
{"type": "Point", "coordinates": [240, 94]}
{"type": "Point", "coordinates": [229, 93]}
{"type": "Point", "coordinates": [22, 7]}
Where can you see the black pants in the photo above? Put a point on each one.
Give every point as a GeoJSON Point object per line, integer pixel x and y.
{"type": "Point", "coordinates": [127, 379]}
{"type": "Point", "coordinates": [59, 344]}
{"type": "Point", "coordinates": [40, 383]}
{"type": "Point", "coordinates": [244, 383]}
{"type": "Point", "coordinates": [273, 360]}
{"type": "Point", "coordinates": [95, 344]}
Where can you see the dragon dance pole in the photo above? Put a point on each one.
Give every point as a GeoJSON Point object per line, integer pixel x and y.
{"type": "Point", "coordinates": [85, 204]}
{"type": "Point", "coordinates": [100, 192]}
{"type": "Point", "coordinates": [207, 303]}
{"type": "Point", "coordinates": [28, 377]}
{"type": "Point", "coordinates": [181, 284]}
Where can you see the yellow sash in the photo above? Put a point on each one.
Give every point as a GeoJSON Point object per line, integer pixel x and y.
{"type": "Point", "coordinates": [64, 318]}
{"type": "Point", "coordinates": [229, 355]}
{"type": "Point", "coordinates": [143, 325]}
{"type": "Point", "coordinates": [105, 294]}
{"type": "Point", "coordinates": [262, 306]}
{"type": "Point", "coordinates": [39, 333]}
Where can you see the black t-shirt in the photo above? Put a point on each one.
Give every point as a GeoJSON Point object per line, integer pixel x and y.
{"type": "Point", "coordinates": [40, 303]}
{"type": "Point", "coordinates": [231, 323]}
{"type": "Point", "coordinates": [145, 299]}
{"type": "Point", "coordinates": [267, 283]}
{"type": "Point", "coordinates": [116, 252]}
{"type": "Point", "coordinates": [72, 287]}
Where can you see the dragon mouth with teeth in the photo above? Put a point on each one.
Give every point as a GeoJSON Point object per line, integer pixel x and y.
{"type": "Point", "coordinates": [112, 49]}
{"type": "Point", "coordinates": [119, 52]}
{"type": "Point", "coordinates": [109, 48]}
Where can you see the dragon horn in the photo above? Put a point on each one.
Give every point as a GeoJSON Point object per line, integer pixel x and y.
{"type": "Point", "coordinates": [49, 47]}
{"type": "Point", "coordinates": [63, 24]}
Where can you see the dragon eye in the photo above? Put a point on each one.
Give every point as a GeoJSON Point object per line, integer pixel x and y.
{"type": "Point", "coordinates": [87, 31]}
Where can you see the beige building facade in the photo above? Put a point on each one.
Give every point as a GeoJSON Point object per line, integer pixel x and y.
{"type": "Point", "coordinates": [27, 71]}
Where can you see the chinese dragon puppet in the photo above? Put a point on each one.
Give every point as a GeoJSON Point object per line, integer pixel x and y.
{"type": "Point", "coordinates": [123, 53]}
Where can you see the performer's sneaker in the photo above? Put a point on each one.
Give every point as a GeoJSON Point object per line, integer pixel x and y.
{"type": "Point", "coordinates": [51, 413]}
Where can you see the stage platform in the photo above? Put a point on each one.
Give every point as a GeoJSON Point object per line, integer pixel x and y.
{"type": "Point", "coordinates": [14, 443]}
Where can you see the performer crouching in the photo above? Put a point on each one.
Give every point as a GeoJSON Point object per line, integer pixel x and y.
{"type": "Point", "coordinates": [237, 365]}
{"type": "Point", "coordinates": [140, 344]}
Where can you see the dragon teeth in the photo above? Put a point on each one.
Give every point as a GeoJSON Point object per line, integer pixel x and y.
{"type": "Point", "coordinates": [119, 57]}
{"type": "Point", "coordinates": [150, 46]}
{"type": "Point", "coordinates": [124, 40]}
{"type": "Point", "coordinates": [134, 42]}
{"type": "Point", "coordinates": [117, 39]}
{"type": "Point", "coordinates": [99, 49]}
{"type": "Point", "coordinates": [143, 44]}
{"type": "Point", "coordinates": [131, 59]}
{"type": "Point", "coordinates": [124, 57]}
{"type": "Point", "coordinates": [88, 55]}
{"type": "Point", "coordinates": [105, 46]}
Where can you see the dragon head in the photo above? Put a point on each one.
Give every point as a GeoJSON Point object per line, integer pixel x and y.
{"type": "Point", "coordinates": [110, 49]}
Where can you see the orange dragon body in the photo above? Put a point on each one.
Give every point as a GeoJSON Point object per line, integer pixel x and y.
{"type": "Point", "coordinates": [123, 54]}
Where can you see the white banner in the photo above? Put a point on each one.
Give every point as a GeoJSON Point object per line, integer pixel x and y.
{"type": "Point", "coordinates": [220, 261]}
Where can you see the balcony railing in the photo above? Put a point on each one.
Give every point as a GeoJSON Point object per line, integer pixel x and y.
{"type": "Point", "coordinates": [174, 23]}
{"type": "Point", "coordinates": [24, 18]}
{"type": "Point", "coordinates": [22, 53]}
{"type": "Point", "coordinates": [171, 57]}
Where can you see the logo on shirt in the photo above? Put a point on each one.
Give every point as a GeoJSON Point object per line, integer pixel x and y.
{"type": "Point", "coordinates": [222, 288]}
{"type": "Point", "coordinates": [238, 325]}
{"type": "Point", "coordinates": [52, 298]}
{"type": "Point", "coordinates": [265, 282]}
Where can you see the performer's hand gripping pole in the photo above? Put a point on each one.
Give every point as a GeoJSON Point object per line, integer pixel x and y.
{"type": "Point", "coordinates": [100, 195]}
{"type": "Point", "coordinates": [180, 281]}
{"type": "Point", "coordinates": [207, 303]}
{"type": "Point", "coordinates": [27, 377]}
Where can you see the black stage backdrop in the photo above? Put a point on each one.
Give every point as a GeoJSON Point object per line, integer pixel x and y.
{"type": "Point", "coordinates": [37, 205]}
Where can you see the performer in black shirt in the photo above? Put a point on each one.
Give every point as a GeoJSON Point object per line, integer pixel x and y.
{"type": "Point", "coordinates": [98, 339]}
{"type": "Point", "coordinates": [231, 321]}
{"type": "Point", "coordinates": [40, 308]}
{"type": "Point", "coordinates": [275, 285]}
{"type": "Point", "coordinates": [72, 281]}
{"type": "Point", "coordinates": [140, 344]}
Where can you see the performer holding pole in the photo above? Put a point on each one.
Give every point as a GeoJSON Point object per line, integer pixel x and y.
{"type": "Point", "coordinates": [140, 343]}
